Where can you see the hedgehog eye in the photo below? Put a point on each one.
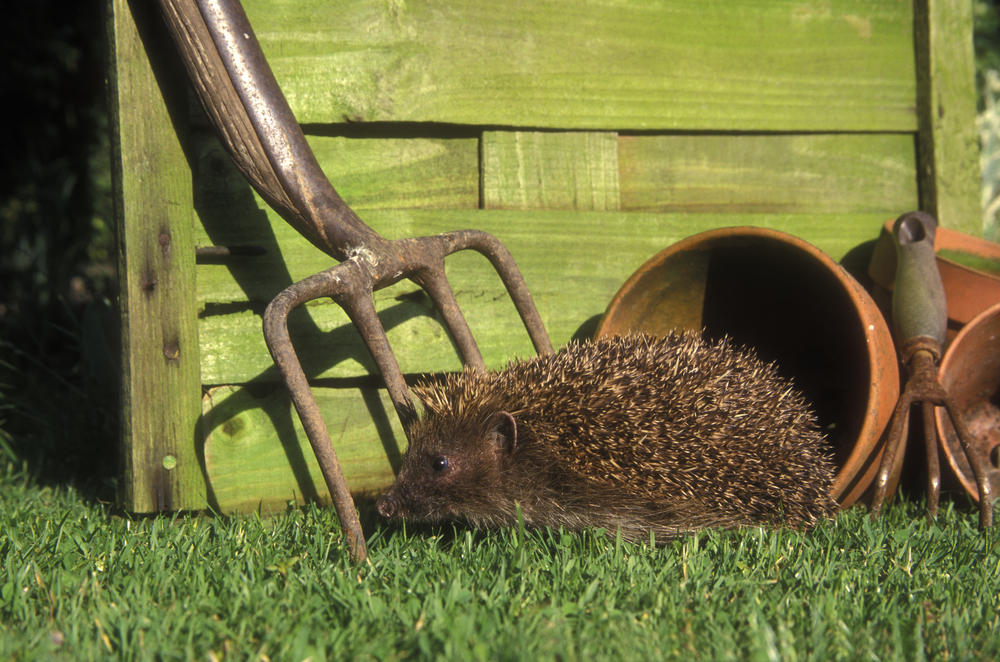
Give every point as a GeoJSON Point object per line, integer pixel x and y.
{"type": "Point", "coordinates": [439, 464]}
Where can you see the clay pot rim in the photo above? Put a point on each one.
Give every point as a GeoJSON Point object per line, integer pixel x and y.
{"type": "Point", "coordinates": [858, 470]}
{"type": "Point", "coordinates": [967, 480]}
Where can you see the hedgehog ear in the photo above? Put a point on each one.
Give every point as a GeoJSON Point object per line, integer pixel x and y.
{"type": "Point", "coordinates": [506, 429]}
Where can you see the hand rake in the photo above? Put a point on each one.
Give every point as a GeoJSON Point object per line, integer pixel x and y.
{"type": "Point", "coordinates": [920, 320]}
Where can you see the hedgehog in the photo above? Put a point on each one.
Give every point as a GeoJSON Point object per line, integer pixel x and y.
{"type": "Point", "coordinates": [638, 435]}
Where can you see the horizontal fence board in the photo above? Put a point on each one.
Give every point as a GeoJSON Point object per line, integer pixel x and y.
{"type": "Point", "coordinates": [769, 173]}
{"type": "Point", "coordinates": [809, 174]}
{"type": "Point", "coordinates": [729, 65]}
{"type": "Point", "coordinates": [383, 173]}
{"type": "Point", "coordinates": [550, 170]}
{"type": "Point", "coordinates": [252, 437]}
{"type": "Point", "coordinates": [573, 262]}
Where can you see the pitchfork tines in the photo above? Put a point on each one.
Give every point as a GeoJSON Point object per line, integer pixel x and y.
{"type": "Point", "coordinates": [228, 70]}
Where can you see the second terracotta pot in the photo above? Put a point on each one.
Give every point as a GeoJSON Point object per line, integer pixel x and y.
{"type": "Point", "coordinates": [970, 373]}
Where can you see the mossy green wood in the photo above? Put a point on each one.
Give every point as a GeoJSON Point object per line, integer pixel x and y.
{"type": "Point", "coordinates": [257, 454]}
{"type": "Point", "coordinates": [729, 65]}
{"type": "Point", "coordinates": [155, 219]}
{"type": "Point", "coordinates": [808, 175]}
{"type": "Point", "coordinates": [573, 263]}
{"type": "Point", "coordinates": [784, 174]}
{"type": "Point", "coordinates": [433, 75]}
{"type": "Point", "coordinates": [948, 140]}
{"type": "Point", "coordinates": [374, 172]}
{"type": "Point", "coordinates": [550, 170]}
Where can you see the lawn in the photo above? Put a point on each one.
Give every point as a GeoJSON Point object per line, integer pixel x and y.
{"type": "Point", "coordinates": [79, 582]}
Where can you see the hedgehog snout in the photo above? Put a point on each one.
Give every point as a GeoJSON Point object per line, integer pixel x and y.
{"type": "Point", "coordinates": [388, 505]}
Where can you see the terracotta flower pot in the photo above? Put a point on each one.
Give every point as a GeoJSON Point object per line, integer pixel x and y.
{"type": "Point", "coordinates": [970, 373]}
{"type": "Point", "coordinates": [791, 302]}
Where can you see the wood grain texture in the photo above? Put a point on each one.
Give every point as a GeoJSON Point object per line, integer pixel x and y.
{"type": "Point", "coordinates": [737, 65]}
{"type": "Point", "coordinates": [371, 173]}
{"type": "Point", "coordinates": [573, 262]}
{"type": "Point", "coordinates": [257, 455]}
{"type": "Point", "coordinates": [402, 173]}
{"type": "Point", "coordinates": [803, 174]}
{"type": "Point", "coordinates": [948, 140]}
{"type": "Point", "coordinates": [154, 219]}
{"type": "Point", "coordinates": [550, 170]}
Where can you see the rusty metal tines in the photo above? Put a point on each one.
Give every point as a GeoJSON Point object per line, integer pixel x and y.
{"type": "Point", "coordinates": [924, 388]}
{"type": "Point", "coordinates": [237, 88]}
{"type": "Point", "coordinates": [919, 321]}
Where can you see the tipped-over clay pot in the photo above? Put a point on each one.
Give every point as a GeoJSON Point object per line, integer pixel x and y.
{"type": "Point", "coordinates": [791, 302]}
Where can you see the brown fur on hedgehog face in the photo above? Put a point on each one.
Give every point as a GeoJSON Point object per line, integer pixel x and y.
{"type": "Point", "coordinates": [632, 433]}
{"type": "Point", "coordinates": [452, 468]}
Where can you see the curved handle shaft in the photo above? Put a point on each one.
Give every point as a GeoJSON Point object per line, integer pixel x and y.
{"type": "Point", "coordinates": [229, 73]}
{"type": "Point", "coordinates": [918, 302]}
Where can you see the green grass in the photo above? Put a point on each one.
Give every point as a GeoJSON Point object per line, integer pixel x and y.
{"type": "Point", "coordinates": [79, 583]}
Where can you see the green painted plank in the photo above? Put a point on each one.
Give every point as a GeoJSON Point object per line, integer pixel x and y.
{"type": "Point", "coordinates": [550, 170]}
{"type": "Point", "coordinates": [393, 173]}
{"type": "Point", "coordinates": [804, 174]}
{"type": "Point", "coordinates": [155, 222]}
{"type": "Point", "coordinates": [783, 65]}
{"type": "Point", "coordinates": [949, 142]}
{"type": "Point", "coordinates": [573, 262]}
{"type": "Point", "coordinates": [240, 218]}
{"type": "Point", "coordinates": [257, 455]}
{"type": "Point", "coordinates": [798, 173]}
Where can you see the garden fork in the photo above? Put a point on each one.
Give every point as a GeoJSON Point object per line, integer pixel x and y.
{"type": "Point", "coordinates": [242, 99]}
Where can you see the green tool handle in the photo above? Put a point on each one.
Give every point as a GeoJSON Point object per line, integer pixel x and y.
{"type": "Point", "coordinates": [918, 302]}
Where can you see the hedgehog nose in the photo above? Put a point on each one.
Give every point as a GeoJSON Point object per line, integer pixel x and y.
{"type": "Point", "coordinates": [387, 506]}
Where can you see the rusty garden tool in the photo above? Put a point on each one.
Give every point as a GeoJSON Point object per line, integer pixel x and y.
{"type": "Point", "coordinates": [919, 318]}
{"type": "Point", "coordinates": [241, 97]}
